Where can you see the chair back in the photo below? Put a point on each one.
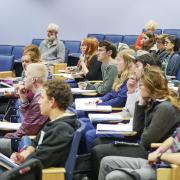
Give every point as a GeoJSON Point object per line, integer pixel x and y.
{"type": "Point", "coordinates": [129, 39]}
{"type": "Point", "coordinates": [17, 52]}
{"type": "Point", "coordinates": [172, 32]}
{"type": "Point", "coordinates": [72, 46]}
{"type": "Point", "coordinates": [37, 42]}
{"type": "Point", "coordinates": [6, 63]}
{"type": "Point", "coordinates": [99, 37]}
{"type": "Point", "coordinates": [30, 170]}
{"type": "Point", "coordinates": [71, 160]}
{"type": "Point", "coordinates": [6, 50]}
{"type": "Point", "coordinates": [114, 38]}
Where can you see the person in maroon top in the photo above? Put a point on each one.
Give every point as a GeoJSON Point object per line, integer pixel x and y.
{"type": "Point", "coordinates": [36, 76]}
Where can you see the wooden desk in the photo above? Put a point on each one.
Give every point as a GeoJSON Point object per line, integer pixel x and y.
{"type": "Point", "coordinates": [53, 174]}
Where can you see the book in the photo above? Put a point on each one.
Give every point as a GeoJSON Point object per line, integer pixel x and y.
{"type": "Point", "coordinates": [115, 128]}
{"type": "Point", "coordinates": [107, 118]}
{"type": "Point", "coordinates": [7, 162]}
{"type": "Point", "coordinates": [88, 104]}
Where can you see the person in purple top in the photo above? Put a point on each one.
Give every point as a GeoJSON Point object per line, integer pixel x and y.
{"type": "Point", "coordinates": [36, 76]}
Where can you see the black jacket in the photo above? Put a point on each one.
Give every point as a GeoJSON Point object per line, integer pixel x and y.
{"type": "Point", "coordinates": [55, 145]}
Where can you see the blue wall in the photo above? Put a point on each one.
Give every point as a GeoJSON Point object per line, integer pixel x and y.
{"type": "Point", "coordinates": [23, 20]}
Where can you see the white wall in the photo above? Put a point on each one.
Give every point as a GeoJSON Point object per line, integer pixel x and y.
{"type": "Point", "coordinates": [23, 20]}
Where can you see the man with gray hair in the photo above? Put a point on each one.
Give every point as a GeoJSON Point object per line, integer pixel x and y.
{"type": "Point", "coordinates": [52, 50]}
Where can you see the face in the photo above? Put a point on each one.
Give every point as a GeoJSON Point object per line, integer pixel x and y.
{"type": "Point", "coordinates": [51, 34]}
{"type": "Point", "coordinates": [28, 81]}
{"type": "Point", "coordinates": [26, 60]}
{"type": "Point", "coordinates": [160, 44]}
{"type": "Point", "coordinates": [120, 64]}
{"type": "Point", "coordinates": [83, 48]}
{"type": "Point", "coordinates": [144, 91]}
{"type": "Point", "coordinates": [44, 103]}
{"type": "Point", "coordinates": [102, 54]}
{"type": "Point", "coordinates": [169, 45]}
{"type": "Point", "coordinates": [138, 69]}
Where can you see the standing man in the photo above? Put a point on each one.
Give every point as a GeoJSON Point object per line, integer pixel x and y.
{"type": "Point", "coordinates": [52, 50]}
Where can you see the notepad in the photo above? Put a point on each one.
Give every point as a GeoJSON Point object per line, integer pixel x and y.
{"type": "Point", "coordinates": [114, 128]}
{"type": "Point", "coordinates": [9, 126]}
{"type": "Point", "coordinates": [112, 117]}
{"type": "Point", "coordinates": [88, 104]}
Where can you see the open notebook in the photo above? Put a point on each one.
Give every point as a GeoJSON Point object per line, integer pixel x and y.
{"type": "Point", "coordinates": [115, 128]}
{"type": "Point", "coordinates": [7, 162]}
{"type": "Point", "coordinates": [88, 104]}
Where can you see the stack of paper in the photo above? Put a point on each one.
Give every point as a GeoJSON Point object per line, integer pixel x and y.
{"type": "Point", "coordinates": [88, 104]}
{"type": "Point", "coordinates": [114, 128]}
{"type": "Point", "coordinates": [109, 118]}
{"type": "Point", "coordinates": [81, 91]}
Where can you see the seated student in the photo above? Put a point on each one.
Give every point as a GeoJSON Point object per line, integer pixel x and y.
{"type": "Point", "coordinates": [106, 53]}
{"type": "Point", "coordinates": [157, 113]}
{"type": "Point", "coordinates": [52, 50]}
{"type": "Point", "coordinates": [117, 167]}
{"type": "Point", "coordinates": [172, 44]}
{"type": "Point", "coordinates": [149, 27]}
{"type": "Point", "coordinates": [89, 66]}
{"type": "Point", "coordinates": [36, 76]}
{"type": "Point", "coordinates": [51, 145]}
{"type": "Point", "coordinates": [162, 53]}
{"type": "Point", "coordinates": [118, 95]}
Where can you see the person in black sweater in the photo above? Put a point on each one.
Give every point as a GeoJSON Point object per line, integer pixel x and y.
{"type": "Point", "coordinates": [52, 144]}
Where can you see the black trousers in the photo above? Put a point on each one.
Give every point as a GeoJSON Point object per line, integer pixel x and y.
{"type": "Point", "coordinates": [100, 151]}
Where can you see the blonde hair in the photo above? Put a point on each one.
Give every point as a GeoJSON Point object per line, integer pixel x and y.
{"type": "Point", "coordinates": [151, 25]}
{"type": "Point", "coordinates": [123, 76]}
{"type": "Point", "coordinates": [38, 70]}
{"type": "Point", "coordinates": [156, 83]}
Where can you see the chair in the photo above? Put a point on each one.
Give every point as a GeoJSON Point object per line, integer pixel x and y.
{"type": "Point", "coordinates": [6, 63]}
{"type": "Point", "coordinates": [30, 170]}
{"type": "Point", "coordinates": [172, 32]}
{"type": "Point", "coordinates": [37, 42]}
{"type": "Point", "coordinates": [72, 46]}
{"type": "Point", "coordinates": [17, 52]}
{"type": "Point", "coordinates": [6, 49]}
{"type": "Point", "coordinates": [49, 173]}
{"type": "Point", "coordinates": [129, 39]}
{"type": "Point", "coordinates": [114, 38]}
{"type": "Point", "coordinates": [99, 37]}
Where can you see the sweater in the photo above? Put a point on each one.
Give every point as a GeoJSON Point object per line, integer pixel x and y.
{"type": "Point", "coordinates": [50, 52]}
{"type": "Point", "coordinates": [116, 98]}
{"type": "Point", "coordinates": [53, 143]}
{"type": "Point", "coordinates": [109, 73]}
{"type": "Point", "coordinates": [156, 123]}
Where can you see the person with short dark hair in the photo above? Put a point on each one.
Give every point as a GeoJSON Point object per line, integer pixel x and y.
{"type": "Point", "coordinates": [52, 144]}
{"type": "Point", "coordinates": [106, 53]}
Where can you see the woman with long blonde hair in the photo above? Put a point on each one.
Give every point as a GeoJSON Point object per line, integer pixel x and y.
{"type": "Point", "coordinates": [117, 97]}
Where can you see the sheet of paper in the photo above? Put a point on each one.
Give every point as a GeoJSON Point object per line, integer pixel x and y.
{"type": "Point", "coordinates": [80, 91]}
{"type": "Point", "coordinates": [9, 126]}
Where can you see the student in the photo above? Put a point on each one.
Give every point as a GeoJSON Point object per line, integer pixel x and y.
{"type": "Point", "coordinates": [90, 67]}
{"type": "Point", "coordinates": [51, 145]}
{"type": "Point", "coordinates": [52, 50]}
{"type": "Point", "coordinates": [106, 53]}
{"type": "Point", "coordinates": [150, 27]}
{"type": "Point", "coordinates": [36, 76]}
{"type": "Point", "coordinates": [157, 113]}
{"type": "Point", "coordinates": [172, 44]}
{"type": "Point", "coordinates": [117, 167]}
{"type": "Point", "coordinates": [162, 53]}
{"type": "Point", "coordinates": [118, 95]}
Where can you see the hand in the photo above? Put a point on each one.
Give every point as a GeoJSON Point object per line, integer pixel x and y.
{"type": "Point", "coordinates": [132, 84]}
{"type": "Point", "coordinates": [22, 92]}
{"type": "Point", "coordinates": [97, 101]}
{"type": "Point", "coordinates": [17, 158]}
{"type": "Point", "coordinates": [144, 100]}
{"type": "Point", "coordinates": [153, 157]}
{"type": "Point", "coordinates": [82, 58]}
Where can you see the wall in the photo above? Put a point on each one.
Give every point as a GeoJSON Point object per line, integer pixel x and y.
{"type": "Point", "coordinates": [23, 20]}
